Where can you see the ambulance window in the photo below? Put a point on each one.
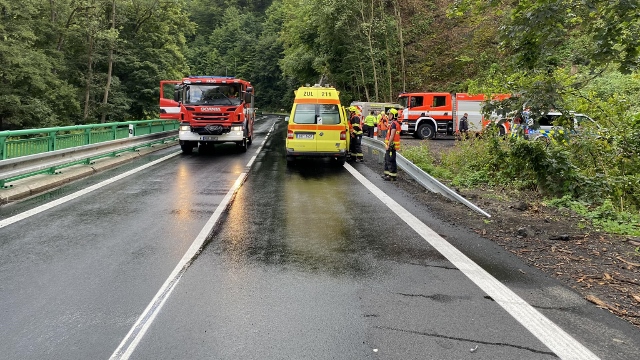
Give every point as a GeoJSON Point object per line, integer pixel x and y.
{"type": "Point", "coordinates": [305, 114]}
{"type": "Point", "coordinates": [417, 101]}
{"type": "Point", "coordinates": [439, 101]}
{"type": "Point", "coordinates": [329, 114]}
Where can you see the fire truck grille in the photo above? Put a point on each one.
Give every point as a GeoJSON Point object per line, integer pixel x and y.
{"type": "Point", "coordinates": [211, 130]}
{"type": "Point", "coordinates": [210, 116]}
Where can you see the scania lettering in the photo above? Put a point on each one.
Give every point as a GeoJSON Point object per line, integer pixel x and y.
{"type": "Point", "coordinates": [211, 110]}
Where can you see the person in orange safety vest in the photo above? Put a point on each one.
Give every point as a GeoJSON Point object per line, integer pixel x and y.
{"type": "Point", "coordinates": [392, 145]}
{"type": "Point", "coordinates": [383, 125]}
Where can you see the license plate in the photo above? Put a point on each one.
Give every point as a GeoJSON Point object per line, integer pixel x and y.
{"type": "Point", "coordinates": [209, 138]}
{"type": "Point", "coordinates": [304, 136]}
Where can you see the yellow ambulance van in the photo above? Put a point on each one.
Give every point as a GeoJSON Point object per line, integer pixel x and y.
{"type": "Point", "coordinates": [317, 126]}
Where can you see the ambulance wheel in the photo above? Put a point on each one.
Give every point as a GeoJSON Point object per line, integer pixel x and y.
{"type": "Point", "coordinates": [290, 161]}
{"type": "Point", "coordinates": [186, 146]}
{"type": "Point", "coordinates": [426, 131]}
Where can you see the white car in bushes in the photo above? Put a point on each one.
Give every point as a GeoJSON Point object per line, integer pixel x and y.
{"type": "Point", "coordinates": [547, 126]}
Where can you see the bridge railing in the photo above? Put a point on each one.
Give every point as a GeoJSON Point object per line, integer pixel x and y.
{"type": "Point", "coordinates": [16, 143]}
{"type": "Point", "coordinates": [25, 153]}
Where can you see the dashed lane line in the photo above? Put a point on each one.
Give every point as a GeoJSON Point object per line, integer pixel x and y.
{"type": "Point", "coordinates": [144, 321]}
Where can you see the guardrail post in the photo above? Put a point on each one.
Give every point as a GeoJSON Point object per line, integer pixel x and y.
{"type": "Point", "coordinates": [3, 147]}
{"type": "Point", "coordinates": [87, 136]}
{"type": "Point", "coordinates": [52, 141]}
{"type": "Point", "coordinates": [114, 130]}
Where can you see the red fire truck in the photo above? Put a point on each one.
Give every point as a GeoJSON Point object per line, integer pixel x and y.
{"type": "Point", "coordinates": [426, 115]}
{"type": "Point", "coordinates": [211, 110]}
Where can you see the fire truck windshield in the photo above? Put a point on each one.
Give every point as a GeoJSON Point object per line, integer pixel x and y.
{"type": "Point", "coordinates": [218, 94]}
{"type": "Point", "coordinates": [403, 101]}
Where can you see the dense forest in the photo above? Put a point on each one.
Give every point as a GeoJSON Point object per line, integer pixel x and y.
{"type": "Point", "coordinates": [87, 61]}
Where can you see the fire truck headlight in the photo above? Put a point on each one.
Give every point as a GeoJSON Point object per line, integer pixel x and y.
{"type": "Point", "coordinates": [236, 128]}
{"type": "Point", "coordinates": [185, 128]}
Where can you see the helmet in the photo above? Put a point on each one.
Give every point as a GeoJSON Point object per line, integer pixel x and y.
{"type": "Point", "coordinates": [393, 111]}
{"type": "Point", "coordinates": [352, 108]}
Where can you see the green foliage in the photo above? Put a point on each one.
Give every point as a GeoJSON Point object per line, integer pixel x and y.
{"type": "Point", "coordinates": [421, 157]}
{"type": "Point", "coordinates": [54, 59]}
{"type": "Point", "coordinates": [605, 217]}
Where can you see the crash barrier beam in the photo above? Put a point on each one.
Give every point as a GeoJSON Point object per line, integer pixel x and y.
{"type": "Point", "coordinates": [17, 143]}
{"type": "Point", "coordinates": [49, 162]}
{"type": "Point", "coordinates": [419, 175]}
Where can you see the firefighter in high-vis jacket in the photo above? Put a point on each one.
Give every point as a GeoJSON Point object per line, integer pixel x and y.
{"type": "Point", "coordinates": [355, 127]}
{"type": "Point", "coordinates": [370, 122]}
{"type": "Point", "coordinates": [392, 145]}
{"type": "Point", "coordinates": [383, 125]}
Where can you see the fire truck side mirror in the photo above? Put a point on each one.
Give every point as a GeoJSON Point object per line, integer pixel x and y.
{"type": "Point", "coordinates": [176, 93]}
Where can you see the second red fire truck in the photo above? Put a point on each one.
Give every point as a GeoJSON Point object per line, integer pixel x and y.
{"type": "Point", "coordinates": [427, 115]}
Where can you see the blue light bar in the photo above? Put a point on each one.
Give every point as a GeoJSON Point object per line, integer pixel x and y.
{"type": "Point", "coordinates": [211, 77]}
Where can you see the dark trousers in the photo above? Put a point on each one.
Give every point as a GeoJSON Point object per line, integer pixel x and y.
{"type": "Point", "coordinates": [356, 146]}
{"type": "Point", "coordinates": [368, 130]}
{"type": "Point", "coordinates": [390, 165]}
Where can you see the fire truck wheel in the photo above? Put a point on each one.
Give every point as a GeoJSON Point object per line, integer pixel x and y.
{"type": "Point", "coordinates": [187, 147]}
{"type": "Point", "coordinates": [242, 145]}
{"type": "Point", "coordinates": [249, 140]}
{"type": "Point", "coordinates": [425, 131]}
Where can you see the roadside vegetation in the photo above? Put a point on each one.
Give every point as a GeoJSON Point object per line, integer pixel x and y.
{"type": "Point", "coordinates": [561, 56]}
{"type": "Point", "coordinates": [595, 173]}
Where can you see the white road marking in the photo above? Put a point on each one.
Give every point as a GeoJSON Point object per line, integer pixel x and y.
{"type": "Point", "coordinates": [77, 194]}
{"type": "Point", "coordinates": [140, 327]}
{"type": "Point", "coordinates": [550, 334]}
{"type": "Point", "coordinates": [137, 332]}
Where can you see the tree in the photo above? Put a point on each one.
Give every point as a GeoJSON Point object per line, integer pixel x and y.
{"type": "Point", "coordinates": [32, 95]}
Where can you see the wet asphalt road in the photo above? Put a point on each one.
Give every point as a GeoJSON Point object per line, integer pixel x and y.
{"type": "Point", "coordinates": [304, 264]}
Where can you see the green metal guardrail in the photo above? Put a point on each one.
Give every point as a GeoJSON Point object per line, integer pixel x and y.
{"type": "Point", "coordinates": [16, 143]}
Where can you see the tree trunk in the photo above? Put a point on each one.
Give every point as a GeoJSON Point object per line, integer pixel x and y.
{"type": "Point", "coordinates": [105, 99]}
{"type": "Point", "coordinates": [87, 90]}
{"type": "Point", "coordinates": [369, 34]}
{"type": "Point", "coordinates": [396, 9]}
{"type": "Point", "coordinates": [52, 4]}
{"type": "Point", "coordinates": [366, 89]}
